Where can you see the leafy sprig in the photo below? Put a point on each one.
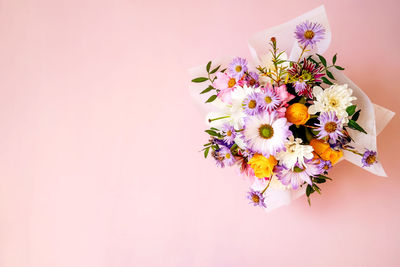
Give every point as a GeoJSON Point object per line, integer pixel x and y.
{"type": "Point", "coordinates": [211, 78]}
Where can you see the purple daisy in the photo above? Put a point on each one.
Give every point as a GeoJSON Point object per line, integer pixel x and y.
{"type": "Point", "coordinates": [226, 156]}
{"type": "Point", "coordinates": [369, 158]}
{"type": "Point", "coordinates": [300, 174]}
{"type": "Point", "coordinates": [325, 165]}
{"type": "Point", "coordinates": [237, 67]}
{"type": "Point", "coordinates": [256, 198]}
{"type": "Point", "coordinates": [329, 125]}
{"type": "Point", "coordinates": [252, 79]}
{"type": "Point", "coordinates": [230, 133]}
{"type": "Point", "coordinates": [252, 103]}
{"type": "Point", "coordinates": [270, 100]}
{"type": "Point", "coordinates": [308, 33]}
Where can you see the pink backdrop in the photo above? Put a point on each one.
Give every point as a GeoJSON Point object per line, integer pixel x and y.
{"type": "Point", "coordinates": [99, 139]}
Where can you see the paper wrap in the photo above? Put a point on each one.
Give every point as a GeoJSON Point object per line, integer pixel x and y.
{"type": "Point", "coordinates": [373, 118]}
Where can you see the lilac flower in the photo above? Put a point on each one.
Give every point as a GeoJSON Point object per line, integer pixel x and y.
{"type": "Point", "coordinates": [369, 158]}
{"type": "Point", "coordinates": [226, 156]}
{"type": "Point", "coordinates": [252, 79]}
{"type": "Point", "coordinates": [252, 104]}
{"type": "Point", "coordinates": [270, 100]}
{"type": "Point", "coordinates": [308, 33]}
{"type": "Point", "coordinates": [256, 198]}
{"type": "Point", "coordinates": [300, 174]}
{"type": "Point", "coordinates": [230, 133]}
{"type": "Point", "coordinates": [329, 125]}
{"type": "Point", "coordinates": [325, 165]}
{"type": "Point", "coordinates": [237, 67]}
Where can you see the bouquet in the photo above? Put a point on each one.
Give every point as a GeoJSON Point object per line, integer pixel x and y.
{"type": "Point", "coordinates": [286, 120]}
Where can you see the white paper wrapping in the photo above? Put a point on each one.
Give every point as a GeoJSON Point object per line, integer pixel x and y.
{"type": "Point", "coordinates": [373, 118]}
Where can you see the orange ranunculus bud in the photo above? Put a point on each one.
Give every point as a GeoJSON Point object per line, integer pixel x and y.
{"type": "Point", "coordinates": [325, 151]}
{"type": "Point", "coordinates": [263, 167]}
{"type": "Point", "coordinates": [297, 114]}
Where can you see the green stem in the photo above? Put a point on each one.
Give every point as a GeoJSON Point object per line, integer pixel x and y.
{"type": "Point", "coordinates": [353, 151]}
{"type": "Point", "coordinates": [219, 118]}
{"type": "Point", "coordinates": [269, 182]}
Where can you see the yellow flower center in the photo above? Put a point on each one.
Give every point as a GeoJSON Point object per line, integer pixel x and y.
{"type": "Point", "coordinates": [238, 68]}
{"type": "Point", "coordinates": [228, 156]}
{"type": "Point", "coordinates": [229, 133]}
{"type": "Point", "coordinates": [252, 104]}
{"type": "Point", "coordinates": [231, 82]}
{"type": "Point", "coordinates": [268, 99]}
{"type": "Point", "coordinates": [255, 198]}
{"type": "Point", "coordinates": [333, 102]}
{"type": "Point", "coordinates": [266, 131]}
{"type": "Point", "coordinates": [309, 34]}
{"type": "Point", "coordinates": [330, 127]}
{"type": "Point", "coordinates": [371, 159]}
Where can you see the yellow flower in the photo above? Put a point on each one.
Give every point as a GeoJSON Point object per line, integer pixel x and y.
{"type": "Point", "coordinates": [323, 150]}
{"type": "Point", "coordinates": [262, 166]}
{"type": "Point", "coordinates": [297, 114]}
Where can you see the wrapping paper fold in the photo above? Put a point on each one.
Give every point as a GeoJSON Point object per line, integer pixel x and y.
{"type": "Point", "coordinates": [373, 118]}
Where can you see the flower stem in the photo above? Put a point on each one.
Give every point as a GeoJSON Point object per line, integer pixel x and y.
{"type": "Point", "coordinates": [219, 118]}
{"type": "Point", "coordinates": [353, 151]}
{"type": "Point", "coordinates": [269, 182]}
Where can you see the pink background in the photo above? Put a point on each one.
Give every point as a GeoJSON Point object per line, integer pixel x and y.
{"type": "Point", "coordinates": [99, 139]}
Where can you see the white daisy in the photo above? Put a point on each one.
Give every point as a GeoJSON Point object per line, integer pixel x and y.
{"type": "Point", "coordinates": [295, 153]}
{"type": "Point", "coordinates": [266, 134]}
{"type": "Point", "coordinates": [335, 98]}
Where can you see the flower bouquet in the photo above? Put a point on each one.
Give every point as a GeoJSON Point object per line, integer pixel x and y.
{"type": "Point", "coordinates": [286, 119]}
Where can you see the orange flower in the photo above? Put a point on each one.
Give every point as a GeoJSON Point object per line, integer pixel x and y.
{"type": "Point", "coordinates": [323, 150]}
{"type": "Point", "coordinates": [297, 114]}
{"type": "Point", "coordinates": [263, 167]}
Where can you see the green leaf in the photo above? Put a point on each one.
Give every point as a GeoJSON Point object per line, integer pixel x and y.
{"type": "Point", "coordinates": [200, 80]}
{"type": "Point", "coordinates": [354, 125]}
{"type": "Point", "coordinates": [208, 89]}
{"type": "Point", "coordinates": [356, 115]}
{"type": "Point", "coordinates": [324, 177]}
{"type": "Point", "coordinates": [215, 70]}
{"type": "Point", "coordinates": [215, 129]}
{"type": "Point", "coordinates": [223, 70]}
{"type": "Point", "coordinates": [339, 68]}
{"type": "Point", "coordinates": [309, 190]}
{"type": "Point", "coordinates": [206, 152]}
{"type": "Point", "coordinates": [351, 109]}
{"type": "Point", "coordinates": [319, 180]}
{"type": "Point", "coordinates": [334, 59]}
{"type": "Point", "coordinates": [322, 59]}
{"type": "Point", "coordinates": [325, 80]}
{"type": "Point", "coordinates": [211, 99]}
{"type": "Point", "coordinates": [316, 188]}
{"type": "Point", "coordinates": [208, 66]}
{"type": "Point", "coordinates": [330, 75]}
{"type": "Point", "coordinates": [212, 133]}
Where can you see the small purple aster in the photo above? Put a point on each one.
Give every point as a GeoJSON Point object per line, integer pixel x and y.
{"type": "Point", "coordinates": [252, 79]}
{"type": "Point", "coordinates": [308, 33]}
{"type": "Point", "coordinates": [256, 198]}
{"type": "Point", "coordinates": [226, 156]}
{"type": "Point", "coordinates": [230, 133]}
{"type": "Point", "coordinates": [252, 104]}
{"type": "Point", "coordinates": [329, 125]}
{"type": "Point", "coordinates": [237, 67]}
{"type": "Point", "coordinates": [270, 100]}
{"type": "Point", "coordinates": [369, 158]}
{"type": "Point", "coordinates": [325, 165]}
